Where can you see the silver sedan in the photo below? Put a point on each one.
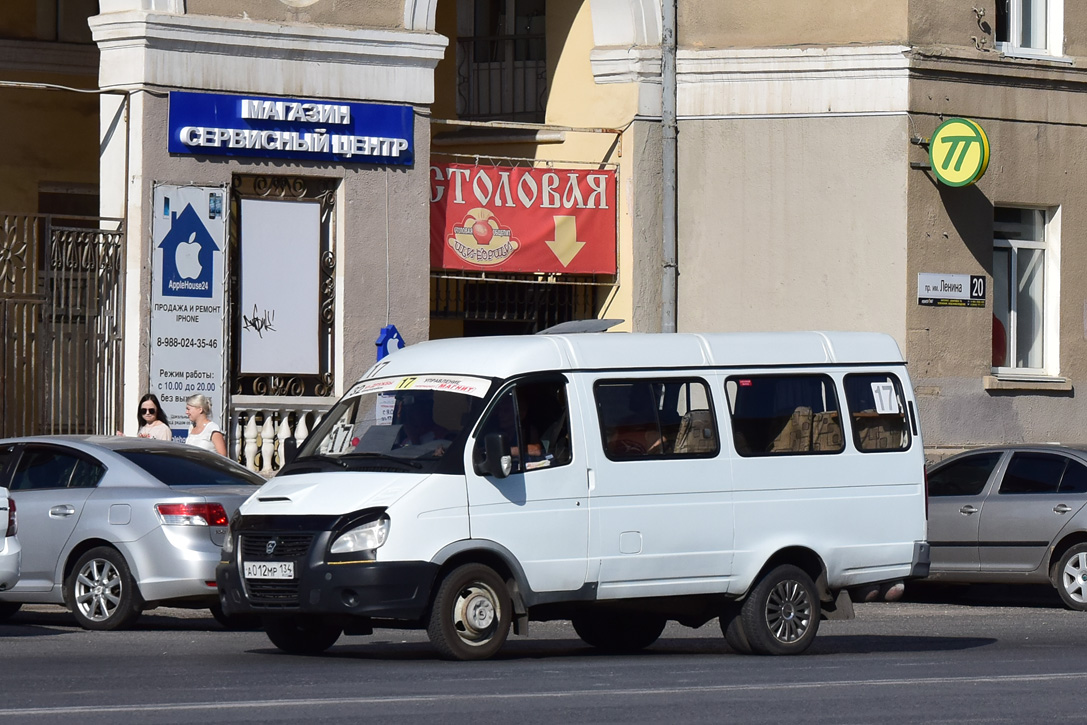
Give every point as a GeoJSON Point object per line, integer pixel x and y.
{"type": "Point", "coordinates": [111, 526]}
{"type": "Point", "coordinates": [1011, 515]}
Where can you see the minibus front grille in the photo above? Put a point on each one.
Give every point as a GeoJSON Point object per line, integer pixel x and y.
{"type": "Point", "coordinates": [275, 547]}
{"type": "Point", "coordinates": [271, 546]}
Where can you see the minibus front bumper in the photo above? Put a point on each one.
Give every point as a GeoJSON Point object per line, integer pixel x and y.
{"type": "Point", "coordinates": [380, 590]}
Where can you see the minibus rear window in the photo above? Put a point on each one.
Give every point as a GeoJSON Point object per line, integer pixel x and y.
{"type": "Point", "coordinates": [775, 415]}
{"type": "Point", "coordinates": [877, 410]}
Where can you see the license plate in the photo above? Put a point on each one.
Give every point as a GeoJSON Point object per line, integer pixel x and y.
{"type": "Point", "coordinates": [269, 570]}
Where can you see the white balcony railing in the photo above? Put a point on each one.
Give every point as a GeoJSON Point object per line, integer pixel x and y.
{"type": "Point", "coordinates": [260, 426]}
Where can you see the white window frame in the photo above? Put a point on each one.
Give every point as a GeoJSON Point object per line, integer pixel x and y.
{"type": "Point", "coordinates": [1051, 292]}
{"type": "Point", "coordinates": [1053, 47]}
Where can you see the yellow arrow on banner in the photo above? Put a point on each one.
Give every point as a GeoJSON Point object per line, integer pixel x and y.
{"type": "Point", "coordinates": [565, 245]}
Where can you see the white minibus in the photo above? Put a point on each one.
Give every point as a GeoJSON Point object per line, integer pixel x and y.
{"type": "Point", "coordinates": [618, 481]}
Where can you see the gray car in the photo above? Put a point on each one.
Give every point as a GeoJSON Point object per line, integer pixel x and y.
{"type": "Point", "coordinates": [1011, 514]}
{"type": "Point", "coordinates": [111, 526]}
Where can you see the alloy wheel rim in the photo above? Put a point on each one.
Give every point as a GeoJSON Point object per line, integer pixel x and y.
{"type": "Point", "coordinates": [1075, 578]}
{"type": "Point", "coordinates": [476, 614]}
{"type": "Point", "coordinates": [788, 611]}
{"type": "Point", "coordinates": [98, 590]}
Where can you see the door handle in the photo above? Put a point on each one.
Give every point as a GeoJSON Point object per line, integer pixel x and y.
{"type": "Point", "coordinates": [62, 511]}
{"type": "Point", "coordinates": [1061, 508]}
{"type": "Point", "coordinates": [967, 510]}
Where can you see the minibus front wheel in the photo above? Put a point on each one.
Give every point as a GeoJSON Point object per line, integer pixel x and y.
{"type": "Point", "coordinates": [471, 615]}
{"type": "Point", "coordinates": [780, 615]}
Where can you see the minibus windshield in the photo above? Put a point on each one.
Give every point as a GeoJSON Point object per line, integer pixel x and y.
{"type": "Point", "coordinates": [407, 423]}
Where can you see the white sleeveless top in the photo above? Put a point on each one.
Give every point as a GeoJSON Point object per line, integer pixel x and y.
{"type": "Point", "coordinates": [203, 438]}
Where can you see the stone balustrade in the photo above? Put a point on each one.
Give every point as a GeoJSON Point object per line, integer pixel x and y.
{"type": "Point", "coordinates": [260, 426]}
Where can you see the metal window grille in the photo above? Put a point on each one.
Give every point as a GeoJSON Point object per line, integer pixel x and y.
{"type": "Point", "coordinates": [527, 305]}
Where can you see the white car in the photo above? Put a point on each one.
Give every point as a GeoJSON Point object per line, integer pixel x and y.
{"type": "Point", "coordinates": [10, 553]}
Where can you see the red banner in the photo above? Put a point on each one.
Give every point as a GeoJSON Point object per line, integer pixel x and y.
{"type": "Point", "coordinates": [514, 219]}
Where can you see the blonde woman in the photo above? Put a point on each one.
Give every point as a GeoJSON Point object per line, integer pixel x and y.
{"type": "Point", "coordinates": [204, 432]}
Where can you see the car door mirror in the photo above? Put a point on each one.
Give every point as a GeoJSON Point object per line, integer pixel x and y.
{"type": "Point", "coordinates": [290, 450]}
{"type": "Point", "coordinates": [497, 460]}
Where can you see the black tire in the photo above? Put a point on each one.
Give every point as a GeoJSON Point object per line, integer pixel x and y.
{"type": "Point", "coordinates": [781, 614]}
{"type": "Point", "coordinates": [235, 622]}
{"type": "Point", "coordinates": [1070, 578]}
{"type": "Point", "coordinates": [101, 591]}
{"type": "Point", "coordinates": [471, 614]}
{"type": "Point", "coordinates": [301, 634]}
{"type": "Point", "coordinates": [8, 609]}
{"type": "Point", "coordinates": [619, 631]}
{"type": "Point", "coordinates": [733, 629]}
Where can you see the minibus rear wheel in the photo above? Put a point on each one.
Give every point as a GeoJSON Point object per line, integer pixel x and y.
{"type": "Point", "coordinates": [781, 614]}
{"type": "Point", "coordinates": [618, 631]}
{"type": "Point", "coordinates": [471, 615]}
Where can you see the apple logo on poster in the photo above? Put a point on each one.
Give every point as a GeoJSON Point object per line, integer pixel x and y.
{"type": "Point", "coordinates": [188, 256]}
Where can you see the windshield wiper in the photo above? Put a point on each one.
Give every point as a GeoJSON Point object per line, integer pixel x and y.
{"type": "Point", "coordinates": [381, 457]}
{"type": "Point", "coordinates": [335, 460]}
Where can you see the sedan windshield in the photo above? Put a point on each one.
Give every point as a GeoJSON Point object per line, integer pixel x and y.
{"type": "Point", "coordinates": [396, 424]}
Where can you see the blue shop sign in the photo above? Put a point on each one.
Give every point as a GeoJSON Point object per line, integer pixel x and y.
{"type": "Point", "coordinates": [285, 128]}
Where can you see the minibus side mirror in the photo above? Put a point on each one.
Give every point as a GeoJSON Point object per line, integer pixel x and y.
{"type": "Point", "coordinates": [290, 450]}
{"type": "Point", "coordinates": [497, 460]}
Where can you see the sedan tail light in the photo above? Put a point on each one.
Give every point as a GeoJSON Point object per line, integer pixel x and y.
{"type": "Point", "coordinates": [192, 514]}
{"type": "Point", "coordinates": [13, 521]}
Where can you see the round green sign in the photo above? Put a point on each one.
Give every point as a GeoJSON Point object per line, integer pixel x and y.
{"type": "Point", "coordinates": [959, 152]}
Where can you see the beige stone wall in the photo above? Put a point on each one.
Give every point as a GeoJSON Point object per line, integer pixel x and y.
{"type": "Point", "coordinates": [1039, 157]}
{"type": "Point", "coordinates": [362, 13]}
{"type": "Point", "coordinates": [791, 23]}
{"type": "Point", "coordinates": [52, 139]}
{"type": "Point", "coordinates": [793, 223]}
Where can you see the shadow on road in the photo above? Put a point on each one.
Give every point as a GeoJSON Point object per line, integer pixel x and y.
{"type": "Point", "coordinates": [361, 649]}
{"type": "Point", "coordinates": [984, 595]}
{"type": "Point", "coordinates": [869, 644]}
{"type": "Point", "coordinates": [41, 620]}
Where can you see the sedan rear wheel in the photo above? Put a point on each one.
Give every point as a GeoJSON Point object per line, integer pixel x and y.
{"type": "Point", "coordinates": [101, 591]}
{"type": "Point", "coordinates": [1071, 579]}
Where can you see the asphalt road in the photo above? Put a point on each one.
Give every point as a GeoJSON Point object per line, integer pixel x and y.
{"type": "Point", "coordinates": [993, 656]}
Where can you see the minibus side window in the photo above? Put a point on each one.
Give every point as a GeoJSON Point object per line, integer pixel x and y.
{"type": "Point", "coordinates": [655, 419]}
{"type": "Point", "coordinates": [784, 414]}
{"type": "Point", "coordinates": [534, 417]}
{"type": "Point", "coordinates": [877, 410]}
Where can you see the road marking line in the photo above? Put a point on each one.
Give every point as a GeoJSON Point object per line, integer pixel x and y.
{"type": "Point", "coordinates": [395, 699]}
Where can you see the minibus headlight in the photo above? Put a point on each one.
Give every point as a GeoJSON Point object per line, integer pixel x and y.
{"type": "Point", "coordinates": [368, 536]}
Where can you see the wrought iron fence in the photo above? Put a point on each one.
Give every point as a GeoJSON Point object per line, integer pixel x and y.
{"type": "Point", "coordinates": [61, 306]}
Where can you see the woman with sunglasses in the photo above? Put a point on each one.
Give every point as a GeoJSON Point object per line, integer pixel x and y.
{"type": "Point", "coordinates": [152, 420]}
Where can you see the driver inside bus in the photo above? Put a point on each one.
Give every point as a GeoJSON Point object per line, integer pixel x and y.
{"type": "Point", "coordinates": [418, 426]}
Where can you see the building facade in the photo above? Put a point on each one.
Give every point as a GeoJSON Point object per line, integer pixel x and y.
{"type": "Point", "coordinates": [805, 197]}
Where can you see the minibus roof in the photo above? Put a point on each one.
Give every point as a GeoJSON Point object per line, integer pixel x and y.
{"type": "Point", "coordinates": [503, 357]}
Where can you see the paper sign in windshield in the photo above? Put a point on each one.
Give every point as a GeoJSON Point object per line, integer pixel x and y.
{"type": "Point", "coordinates": [463, 384]}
